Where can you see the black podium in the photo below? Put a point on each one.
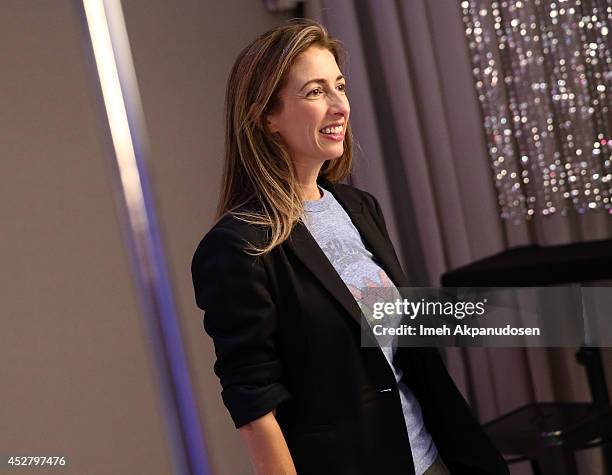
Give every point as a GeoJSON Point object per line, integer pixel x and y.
{"type": "Point", "coordinates": [548, 433]}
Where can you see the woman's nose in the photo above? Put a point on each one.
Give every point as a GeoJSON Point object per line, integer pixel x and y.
{"type": "Point", "coordinates": [339, 104]}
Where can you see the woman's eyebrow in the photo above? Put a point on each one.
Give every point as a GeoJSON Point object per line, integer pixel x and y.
{"type": "Point", "coordinates": [319, 80]}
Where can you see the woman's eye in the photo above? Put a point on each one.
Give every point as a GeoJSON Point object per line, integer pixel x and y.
{"type": "Point", "coordinates": [318, 91]}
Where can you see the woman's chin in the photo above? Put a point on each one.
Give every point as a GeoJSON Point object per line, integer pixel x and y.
{"type": "Point", "coordinates": [328, 153]}
{"type": "Point", "coordinates": [334, 154]}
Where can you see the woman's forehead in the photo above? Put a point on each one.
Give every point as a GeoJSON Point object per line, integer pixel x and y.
{"type": "Point", "coordinates": [314, 63]}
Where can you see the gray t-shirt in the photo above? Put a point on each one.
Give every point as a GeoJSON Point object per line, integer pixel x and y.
{"type": "Point", "coordinates": [338, 238]}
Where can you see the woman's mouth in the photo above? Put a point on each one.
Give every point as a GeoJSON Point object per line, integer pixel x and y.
{"type": "Point", "coordinates": [335, 133]}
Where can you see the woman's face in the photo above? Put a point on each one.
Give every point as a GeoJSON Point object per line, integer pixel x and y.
{"type": "Point", "coordinates": [314, 110]}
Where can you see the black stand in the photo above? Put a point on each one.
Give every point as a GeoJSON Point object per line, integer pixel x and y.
{"type": "Point", "coordinates": [548, 434]}
{"type": "Point", "coordinates": [590, 358]}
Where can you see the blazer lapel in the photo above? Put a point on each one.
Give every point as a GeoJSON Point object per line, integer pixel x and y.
{"type": "Point", "coordinates": [306, 248]}
{"type": "Point", "coordinates": [376, 242]}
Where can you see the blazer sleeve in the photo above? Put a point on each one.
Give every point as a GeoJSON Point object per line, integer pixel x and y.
{"type": "Point", "coordinates": [240, 316]}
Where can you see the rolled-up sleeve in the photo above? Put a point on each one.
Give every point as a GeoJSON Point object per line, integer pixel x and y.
{"type": "Point", "coordinates": [240, 316]}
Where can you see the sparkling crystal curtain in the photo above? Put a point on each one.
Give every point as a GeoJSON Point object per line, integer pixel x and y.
{"type": "Point", "coordinates": [543, 73]}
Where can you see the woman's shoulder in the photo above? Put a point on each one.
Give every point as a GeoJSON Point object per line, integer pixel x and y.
{"type": "Point", "coordinates": [352, 190]}
{"type": "Point", "coordinates": [229, 235]}
{"type": "Point", "coordinates": [356, 195]}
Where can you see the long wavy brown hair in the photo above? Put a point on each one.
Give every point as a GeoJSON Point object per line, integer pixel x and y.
{"type": "Point", "coordinates": [257, 165]}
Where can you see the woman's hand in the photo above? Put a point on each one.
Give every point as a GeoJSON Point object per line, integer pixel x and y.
{"type": "Point", "coordinates": [267, 447]}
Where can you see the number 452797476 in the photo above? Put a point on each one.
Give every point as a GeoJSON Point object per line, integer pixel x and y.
{"type": "Point", "coordinates": [34, 461]}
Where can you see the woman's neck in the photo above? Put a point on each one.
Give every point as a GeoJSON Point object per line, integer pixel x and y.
{"type": "Point", "coordinates": [307, 181]}
{"type": "Point", "coordinates": [311, 194]}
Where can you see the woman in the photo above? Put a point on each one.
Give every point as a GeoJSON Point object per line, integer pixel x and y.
{"type": "Point", "coordinates": [278, 277]}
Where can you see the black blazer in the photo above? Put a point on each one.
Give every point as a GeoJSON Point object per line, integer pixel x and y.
{"type": "Point", "coordinates": [287, 334]}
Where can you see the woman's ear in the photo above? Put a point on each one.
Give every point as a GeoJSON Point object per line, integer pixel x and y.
{"type": "Point", "coordinates": [270, 124]}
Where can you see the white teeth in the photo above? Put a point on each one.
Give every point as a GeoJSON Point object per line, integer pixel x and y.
{"type": "Point", "coordinates": [332, 130]}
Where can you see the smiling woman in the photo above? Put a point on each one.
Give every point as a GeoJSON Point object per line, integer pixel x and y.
{"type": "Point", "coordinates": [312, 116]}
{"type": "Point", "coordinates": [279, 278]}
{"type": "Point", "coordinates": [283, 89]}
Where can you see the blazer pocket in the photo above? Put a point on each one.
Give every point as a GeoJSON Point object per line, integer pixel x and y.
{"type": "Point", "coordinates": [369, 394]}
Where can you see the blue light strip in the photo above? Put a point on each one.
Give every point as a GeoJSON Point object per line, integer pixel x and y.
{"type": "Point", "coordinates": [115, 67]}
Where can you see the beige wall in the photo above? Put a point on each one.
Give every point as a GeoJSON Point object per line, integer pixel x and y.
{"type": "Point", "coordinates": [183, 52]}
{"type": "Point", "coordinates": [77, 377]}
